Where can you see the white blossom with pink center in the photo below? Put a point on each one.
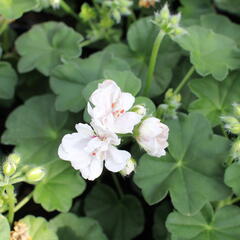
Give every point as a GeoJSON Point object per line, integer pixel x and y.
{"type": "Point", "coordinates": [89, 149]}
{"type": "Point", "coordinates": [109, 108]}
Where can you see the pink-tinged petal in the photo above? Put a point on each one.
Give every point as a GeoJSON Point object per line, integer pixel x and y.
{"type": "Point", "coordinates": [84, 129]}
{"type": "Point", "coordinates": [107, 93]}
{"type": "Point", "coordinates": [116, 160]}
{"type": "Point", "coordinates": [125, 101]}
{"type": "Point", "coordinates": [127, 122]}
{"type": "Point", "coordinates": [93, 171]}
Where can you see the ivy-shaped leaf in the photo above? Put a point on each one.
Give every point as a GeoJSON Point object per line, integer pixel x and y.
{"type": "Point", "coordinates": [215, 98]}
{"type": "Point", "coordinates": [210, 53]}
{"type": "Point", "coordinates": [36, 129]}
{"type": "Point", "coordinates": [121, 219]}
{"type": "Point", "coordinates": [68, 80]}
{"type": "Point", "coordinates": [61, 184]}
{"type": "Point", "coordinates": [141, 36]}
{"type": "Point", "coordinates": [38, 228]}
{"type": "Point", "coordinates": [13, 9]}
{"type": "Point", "coordinates": [222, 25]}
{"type": "Point", "coordinates": [4, 228]}
{"type": "Point", "coordinates": [232, 177]}
{"type": "Point", "coordinates": [69, 226]}
{"type": "Point", "coordinates": [223, 225]}
{"type": "Point", "coordinates": [192, 170]}
{"type": "Point", "coordinates": [8, 80]}
{"type": "Point", "coordinates": [47, 45]}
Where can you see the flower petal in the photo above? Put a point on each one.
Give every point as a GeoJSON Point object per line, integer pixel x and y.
{"type": "Point", "coordinates": [93, 171]}
{"type": "Point", "coordinates": [125, 101]}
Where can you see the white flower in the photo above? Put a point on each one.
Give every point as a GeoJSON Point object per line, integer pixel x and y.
{"type": "Point", "coordinates": [129, 168]}
{"type": "Point", "coordinates": [152, 136]}
{"type": "Point", "coordinates": [87, 150]}
{"type": "Point", "coordinates": [110, 108]}
{"type": "Point", "coordinates": [55, 3]}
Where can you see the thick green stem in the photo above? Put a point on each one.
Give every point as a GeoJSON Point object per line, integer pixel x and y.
{"type": "Point", "coordinates": [23, 202]}
{"type": "Point", "coordinates": [152, 63]}
{"type": "Point", "coordinates": [68, 9]}
{"type": "Point", "coordinates": [119, 189]}
{"type": "Point", "coordinates": [185, 80]}
{"type": "Point", "coordinates": [87, 42]}
{"type": "Point", "coordinates": [11, 202]}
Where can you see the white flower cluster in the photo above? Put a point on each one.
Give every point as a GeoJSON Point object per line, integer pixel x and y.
{"type": "Point", "coordinates": [94, 145]}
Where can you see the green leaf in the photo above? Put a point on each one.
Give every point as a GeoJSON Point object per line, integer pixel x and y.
{"type": "Point", "coordinates": [141, 36]}
{"type": "Point", "coordinates": [13, 9]}
{"type": "Point", "coordinates": [121, 219]}
{"type": "Point", "coordinates": [207, 53]}
{"type": "Point", "coordinates": [196, 8]}
{"type": "Point", "coordinates": [61, 184]}
{"type": "Point", "coordinates": [8, 80]}
{"type": "Point", "coordinates": [36, 129]}
{"type": "Point", "coordinates": [38, 228]}
{"type": "Point", "coordinates": [215, 98]}
{"type": "Point", "coordinates": [224, 224]}
{"type": "Point", "coordinates": [69, 226]}
{"type": "Point", "coordinates": [231, 6]}
{"type": "Point", "coordinates": [232, 177]}
{"type": "Point", "coordinates": [192, 170]}
{"type": "Point", "coordinates": [68, 80]}
{"type": "Point", "coordinates": [46, 46]}
{"type": "Point", "coordinates": [126, 80]}
{"type": "Point", "coordinates": [5, 228]}
{"type": "Point", "coordinates": [222, 25]}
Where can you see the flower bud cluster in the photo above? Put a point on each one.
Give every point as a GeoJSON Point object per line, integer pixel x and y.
{"type": "Point", "coordinates": [168, 23]}
{"type": "Point", "coordinates": [87, 13]}
{"type": "Point", "coordinates": [119, 8]}
{"type": "Point", "coordinates": [170, 106]}
{"type": "Point", "coordinates": [232, 122]}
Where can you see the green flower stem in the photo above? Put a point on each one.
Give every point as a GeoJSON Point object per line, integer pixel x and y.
{"type": "Point", "coordinates": [152, 63]}
{"type": "Point", "coordinates": [11, 202]}
{"type": "Point", "coordinates": [23, 202]}
{"type": "Point", "coordinates": [4, 26]}
{"type": "Point", "coordinates": [119, 189]}
{"type": "Point", "coordinates": [68, 9]}
{"type": "Point", "coordinates": [87, 42]}
{"type": "Point", "coordinates": [184, 80]}
{"type": "Point", "coordinates": [234, 200]}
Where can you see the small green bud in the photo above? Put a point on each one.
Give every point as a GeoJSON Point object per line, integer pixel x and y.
{"type": "Point", "coordinates": [139, 109]}
{"type": "Point", "coordinates": [235, 151]}
{"type": "Point", "coordinates": [229, 120]}
{"type": "Point", "coordinates": [175, 19]}
{"type": "Point", "coordinates": [165, 13]}
{"type": "Point", "coordinates": [14, 157]}
{"type": "Point", "coordinates": [235, 129]}
{"type": "Point", "coordinates": [169, 93]}
{"type": "Point", "coordinates": [35, 174]}
{"type": "Point", "coordinates": [106, 22]}
{"type": "Point", "coordinates": [178, 31]}
{"type": "Point", "coordinates": [9, 168]}
{"type": "Point", "coordinates": [236, 109]}
{"type": "Point", "coordinates": [87, 13]}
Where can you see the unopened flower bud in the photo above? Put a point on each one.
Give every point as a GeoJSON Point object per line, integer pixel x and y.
{"type": "Point", "coordinates": [87, 13]}
{"type": "Point", "coordinates": [164, 13]}
{"type": "Point", "coordinates": [9, 168]}
{"type": "Point", "coordinates": [35, 174]}
{"type": "Point", "coordinates": [129, 168]}
{"type": "Point", "coordinates": [139, 109]}
{"type": "Point", "coordinates": [236, 109]}
{"type": "Point", "coordinates": [14, 157]}
{"type": "Point", "coordinates": [152, 136]}
{"type": "Point", "coordinates": [235, 151]}
{"type": "Point", "coordinates": [175, 19]}
{"type": "Point", "coordinates": [229, 120]}
{"type": "Point", "coordinates": [235, 129]}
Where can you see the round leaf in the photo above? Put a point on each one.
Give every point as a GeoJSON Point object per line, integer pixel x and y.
{"type": "Point", "coordinates": [36, 129]}
{"type": "Point", "coordinates": [69, 226]}
{"type": "Point", "coordinates": [192, 171]}
{"type": "Point", "coordinates": [5, 228]}
{"type": "Point", "coordinates": [232, 177]}
{"type": "Point", "coordinates": [121, 219]}
{"type": "Point", "coordinates": [224, 224]}
{"type": "Point", "coordinates": [61, 184]}
{"type": "Point", "coordinates": [47, 45]}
